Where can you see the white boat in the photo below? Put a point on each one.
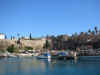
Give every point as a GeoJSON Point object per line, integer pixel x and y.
{"type": "Point", "coordinates": [44, 56]}
{"type": "Point", "coordinates": [12, 56]}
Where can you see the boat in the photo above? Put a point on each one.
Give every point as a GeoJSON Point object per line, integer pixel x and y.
{"type": "Point", "coordinates": [61, 56]}
{"type": "Point", "coordinates": [44, 56]}
{"type": "Point", "coordinates": [64, 56]}
{"type": "Point", "coordinates": [12, 56]}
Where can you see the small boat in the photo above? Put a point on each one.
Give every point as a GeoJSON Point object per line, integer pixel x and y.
{"type": "Point", "coordinates": [44, 56]}
{"type": "Point", "coordinates": [12, 56]}
{"type": "Point", "coordinates": [64, 56]}
{"type": "Point", "coordinates": [61, 56]}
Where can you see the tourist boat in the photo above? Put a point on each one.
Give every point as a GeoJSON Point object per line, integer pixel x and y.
{"type": "Point", "coordinates": [44, 56]}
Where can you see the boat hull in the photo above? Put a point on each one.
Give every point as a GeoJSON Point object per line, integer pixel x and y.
{"type": "Point", "coordinates": [43, 57]}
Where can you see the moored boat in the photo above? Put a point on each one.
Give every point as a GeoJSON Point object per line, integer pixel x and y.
{"type": "Point", "coordinates": [61, 56]}
{"type": "Point", "coordinates": [44, 56]}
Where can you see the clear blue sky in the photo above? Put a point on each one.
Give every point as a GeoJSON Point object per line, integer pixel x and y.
{"type": "Point", "coordinates": [52, 17]}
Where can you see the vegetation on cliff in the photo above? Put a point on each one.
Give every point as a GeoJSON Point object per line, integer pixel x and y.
{"type": "Point", "coordinates": [12, 49]}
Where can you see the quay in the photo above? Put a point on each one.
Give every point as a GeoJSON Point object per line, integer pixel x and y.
{"type": "Point", "coordinates": [59, 55]}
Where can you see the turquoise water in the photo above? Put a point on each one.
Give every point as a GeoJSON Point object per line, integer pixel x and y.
{"type": "Point", "coordinates": [33, 66]}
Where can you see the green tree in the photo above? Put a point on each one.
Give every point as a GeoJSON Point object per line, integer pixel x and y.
{"type": "Point", "coordinates": [5, 36]}
{"type": "Point", "coordinates": [46, 45]}
{"type": "Point", "coordinates": [96, 29]}
{"type": "Point", "coordinates": [89, 31]}
{"type": "Point", "coordinates": [11, 49]}
{"type": "Point", "coordinates": [30, 36]}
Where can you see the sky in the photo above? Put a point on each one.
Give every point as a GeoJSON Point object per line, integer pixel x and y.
{"type": "Point", "coordinates": [48, 17]}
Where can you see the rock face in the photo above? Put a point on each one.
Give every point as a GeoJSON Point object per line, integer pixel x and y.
{"type": "Point", "coordinates": [35, 44]}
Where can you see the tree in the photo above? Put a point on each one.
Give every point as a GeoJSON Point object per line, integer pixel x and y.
{"type": "Point", "coordinates": [19, 41]}
{"type": "Point", "coordinates": [18, 35]}
{"type": "Point", "coordinates": [46, 45]}
{"type": "Point", "coordinates": [30, 36]}
{"type": "Point", "coordinates": [5, 36]}
{"type": "Point", "coordinates": [89, 31]}
{"type": "Point", "coordinates": [11, 37]}
{"type": "Point", "coordinates": [11, 49]}
{"type": "Point", "coordinates": [96, 29]}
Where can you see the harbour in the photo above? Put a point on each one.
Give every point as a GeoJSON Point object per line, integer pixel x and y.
{"type": "Point", "coordinates": [49, 37]}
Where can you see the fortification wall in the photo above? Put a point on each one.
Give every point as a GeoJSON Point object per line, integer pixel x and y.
{"type": "Point", "coordinates": [35, 44]}
{"type": "Point", "coordinates": [4, 43]}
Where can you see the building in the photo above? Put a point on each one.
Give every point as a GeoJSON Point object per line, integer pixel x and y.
{"type": "Point", "coordinates": [2, 36]}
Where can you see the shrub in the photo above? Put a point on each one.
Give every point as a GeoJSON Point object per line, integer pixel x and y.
{"type": "Point", "coordinates": [11, 49]}
{"type": "Point", "coordinates": [28, 48]}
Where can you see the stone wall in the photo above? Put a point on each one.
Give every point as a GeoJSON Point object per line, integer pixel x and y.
{"type": "Point", "coordinates": [35, 44]}
{"type": "Point", "coordinates": [4, 43]}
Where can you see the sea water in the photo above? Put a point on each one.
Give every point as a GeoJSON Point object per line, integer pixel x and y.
{"type": "Point", "coordinates": [33, 66]}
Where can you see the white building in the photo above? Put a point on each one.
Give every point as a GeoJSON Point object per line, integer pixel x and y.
{"type": "Point", "coordinates": [2, 36]}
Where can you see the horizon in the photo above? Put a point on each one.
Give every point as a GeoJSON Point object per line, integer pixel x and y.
{"type": "Point", "coordinates": [52, 17]}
